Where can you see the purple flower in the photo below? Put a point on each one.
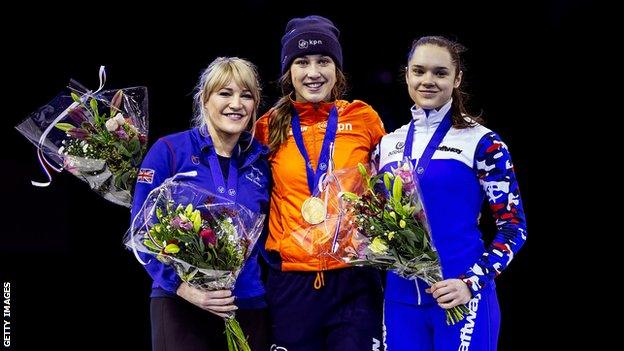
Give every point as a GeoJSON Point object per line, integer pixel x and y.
{"type": "Point", "coordinates": [78, 133]}
{"type": "Point", "coordinates": [175, 223]}
{"type": "Point", "coordinates": [407, 176]}
{"type": "Point", "coordinates": [361, 250]}
{"type": "Point", "coordinates": [179, 223]}
{"type": "Point", "coordinates": [77, 115]}
{"type": "Point", "coordinates": [142, 138]}
{"type": "Point", "coordinates": [121, 134]}
{"type": "Point", "coordinates": [186, 225]}
{"type": "Point", "coordinates": [116, 101]}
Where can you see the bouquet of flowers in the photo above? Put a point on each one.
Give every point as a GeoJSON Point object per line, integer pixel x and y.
{"type": "Point", "coordinates": [204, 237]}
{"type": "Point", "coordinates": [100, 137]}
{"type": "Point", "coordinates": [392, 231]}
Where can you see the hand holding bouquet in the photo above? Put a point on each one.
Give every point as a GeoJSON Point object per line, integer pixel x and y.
{"type": "Point", "coordinates": [205, 238]}
{"type": "Point", "coordinates": [100, 137]}
{"type": "Point", "coordinates": [391, 230]}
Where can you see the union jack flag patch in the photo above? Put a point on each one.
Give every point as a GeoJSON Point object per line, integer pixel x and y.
{"type": "Point", "coordinates": [145, 175]}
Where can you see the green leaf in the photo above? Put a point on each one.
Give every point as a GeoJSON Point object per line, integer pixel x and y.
{"type": "Point", "coordinates": [362, 170]}
{"type": "Point", "coordinates": [350, 196]}
{"type": "Point", "coordinates": [409, 235]}
{"type": "Point", "coordinates": [96, 114]}
{"type": "Point", "coordinates": [93, 104]}
{"type": "Point", "coordinates": [397, 190]}
{"type": "Point", "coordinates": [389, 218]}
{"type": "Point", "coordinates": [122, 149]}
{"type": "Point", "coordinates": [117, 182]}
{"type": "Point", "coordinates": [64, 126]}
{"type": "Point", "coordinates": [134, 145]}
{"type": "Point", "coordinates": [188, 211]}
{"type": "Point", "coordinates": [386, 179]}
{"type": "Point", "coordinates": [202, 246]}
{"type": "Point", "coordinates": [124, 180]}
{"type": "Point", "coordinates": [75, 97]}
{"type": "Point", "coordinates": [197, 221]}
{"type": "Point", "coordinates": [150, 245]}
{"type": "Point", "coordinates": [409, 210]}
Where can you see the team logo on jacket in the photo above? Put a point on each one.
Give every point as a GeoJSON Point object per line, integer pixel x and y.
{"type": "Point", "coordinates": [145, 175]}
{"type": "Point", "coordinates": [195, 159]}
{"type": "Point", "coordinates": [398, 148]}
{"type": "Point", "coordinates": [341, 126]}
{"type": "Point", "coordinates": [255, 176]}
{"type": "Point", "coordinates": [450, 149]}
{"type": "Point", "coordinates": [303, 129]}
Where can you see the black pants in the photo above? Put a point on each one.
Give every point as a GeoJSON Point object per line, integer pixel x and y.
{"type": "Point", "coordinates": [178, 325]}
{"type": "Point", "coordinates": [345, 314]}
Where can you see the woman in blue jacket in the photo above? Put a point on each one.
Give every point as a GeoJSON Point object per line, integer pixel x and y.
{"type": "Point", "coordinates": [228, 162]}
{"type": "Point", "coordinates": [459, 163]}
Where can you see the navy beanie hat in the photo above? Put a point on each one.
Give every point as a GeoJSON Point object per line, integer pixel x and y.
{"type": "Point", "coordinates": [310, 35]}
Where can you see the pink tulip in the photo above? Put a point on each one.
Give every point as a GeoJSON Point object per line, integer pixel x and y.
{"type": "Point", "coordinates": [209, 237]}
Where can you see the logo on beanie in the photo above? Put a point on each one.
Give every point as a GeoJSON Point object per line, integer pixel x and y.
{"type": "Point", "coordinates": [303, 43]}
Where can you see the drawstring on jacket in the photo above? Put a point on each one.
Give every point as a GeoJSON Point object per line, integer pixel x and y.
{"type": "Point", "coordinates": [319, 282]}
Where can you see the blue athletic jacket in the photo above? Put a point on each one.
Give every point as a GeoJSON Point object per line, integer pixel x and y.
{"type": "Point", "coordinates": [469, 165]}
{"type": "Point", "coordinates": [188, 151]}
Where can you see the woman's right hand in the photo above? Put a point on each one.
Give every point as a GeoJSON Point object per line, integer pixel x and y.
{"type": "Point", "coordinates": [218, 302]}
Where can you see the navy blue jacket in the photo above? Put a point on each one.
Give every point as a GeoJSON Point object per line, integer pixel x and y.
{"type": "Point", "coordinates": [188, 151]}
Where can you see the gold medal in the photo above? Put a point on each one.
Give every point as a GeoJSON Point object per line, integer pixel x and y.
{"type": "Point", "coordinates": [313, 210]}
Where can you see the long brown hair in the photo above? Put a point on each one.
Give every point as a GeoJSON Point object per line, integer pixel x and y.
{"type": "Point", "coordinates": [281, 113]}
{"type": "Point", "coordinates": [455, 49]}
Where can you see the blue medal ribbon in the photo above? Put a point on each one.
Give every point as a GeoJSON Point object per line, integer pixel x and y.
{"type": "Point", "coordinates": [229, 190]}
{"type": "Point", "coordinates": [323, 161]}
{"type": "Point", "coordinates": [432, 146]}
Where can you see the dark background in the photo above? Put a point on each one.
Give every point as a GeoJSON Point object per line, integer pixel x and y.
{"type": "Point", "coordinates": [73, 283]}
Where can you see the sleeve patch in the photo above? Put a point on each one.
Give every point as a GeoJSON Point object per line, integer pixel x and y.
{"type": "Point", "coordinates": [145, 175]}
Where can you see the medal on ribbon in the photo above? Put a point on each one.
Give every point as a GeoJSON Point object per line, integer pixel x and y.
{"type": "Point", "coordinates": [313, 209]}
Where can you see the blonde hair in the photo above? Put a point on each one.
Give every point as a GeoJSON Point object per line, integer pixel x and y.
{"type": "Point", "coordinates": [218, 74]}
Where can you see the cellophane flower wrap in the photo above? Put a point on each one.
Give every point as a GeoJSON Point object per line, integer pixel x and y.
{"type": "Point", "coordinates": [391, 229]}
{"type": "Point", "coordinates": [324, 240]}
{"type": "Point", "coordinates": [205, 238]}
{"type": "Point", "coordinates": [100, 137]}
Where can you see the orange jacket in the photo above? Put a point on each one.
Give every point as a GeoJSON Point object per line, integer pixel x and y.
{"type": "Point", "coordinates": [359, 131]}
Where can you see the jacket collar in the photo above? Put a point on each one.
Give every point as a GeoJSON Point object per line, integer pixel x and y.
{"type": "Point", "coordinates": [310, 113]}
{"type": "Point", "coordinates": [430, 118]}
{"type": "Point", "coordinates": [241, 151]}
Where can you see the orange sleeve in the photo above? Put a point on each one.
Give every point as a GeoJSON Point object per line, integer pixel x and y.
{"type": "Point", "coordinates": [262, 129]}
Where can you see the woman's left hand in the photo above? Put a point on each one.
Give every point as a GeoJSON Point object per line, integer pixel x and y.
{"type": "Point", "coordinates": [450, 293]}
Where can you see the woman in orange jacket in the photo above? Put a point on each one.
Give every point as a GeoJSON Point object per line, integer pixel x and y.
{"type": "Point", "coordinates": [316, 303]}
